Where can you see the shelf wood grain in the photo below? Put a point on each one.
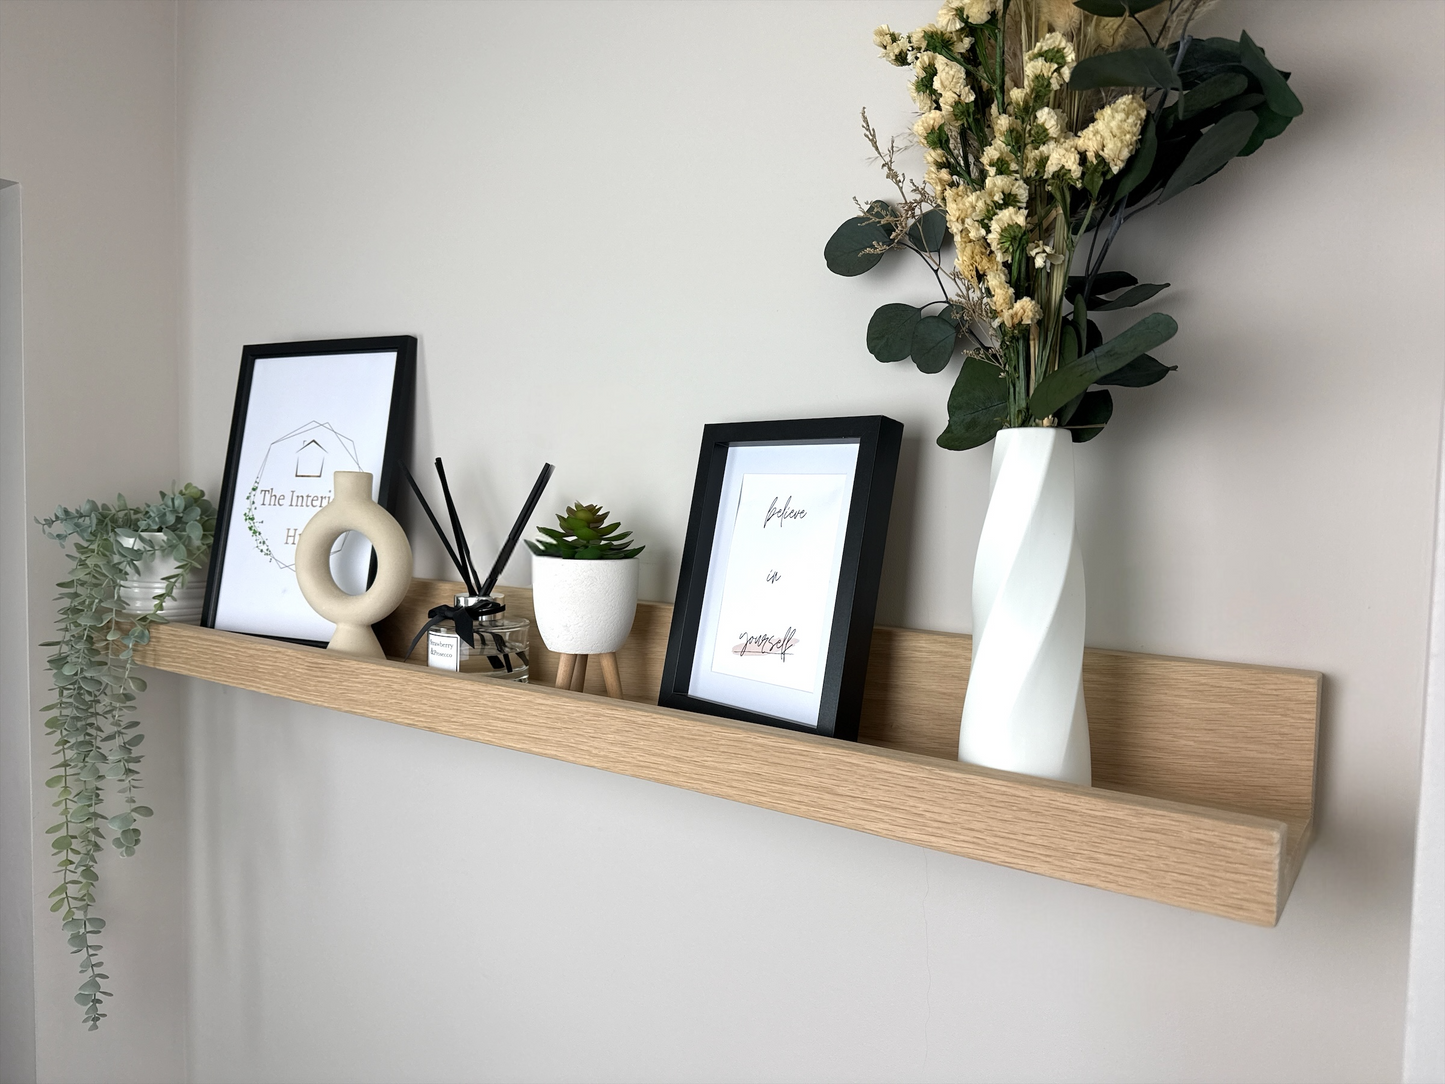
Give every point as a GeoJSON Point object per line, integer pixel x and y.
{"type": "Point", "coordinates": [1204, 772]}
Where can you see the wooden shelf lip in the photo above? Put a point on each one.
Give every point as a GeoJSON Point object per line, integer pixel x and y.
{"type": "Point", "coordinates": [1227, 862]}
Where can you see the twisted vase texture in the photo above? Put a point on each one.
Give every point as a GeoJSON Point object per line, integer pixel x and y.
{"type": "Point", "coordinates": [1024, 709]}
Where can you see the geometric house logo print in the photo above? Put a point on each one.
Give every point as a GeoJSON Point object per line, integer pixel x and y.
{"type": "Point", "coordinates": [310, 460]}
{"type": "Point", "coordinates": [292, 485]}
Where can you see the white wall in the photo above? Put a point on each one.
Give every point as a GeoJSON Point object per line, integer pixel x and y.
{"type": "Point", "coordinates": [87, 128]}
{"type": "Point", "coordinates": [605, 222]}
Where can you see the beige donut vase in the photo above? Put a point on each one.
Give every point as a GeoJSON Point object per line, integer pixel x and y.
{"type": "Point", "coordinates": [352, 509]}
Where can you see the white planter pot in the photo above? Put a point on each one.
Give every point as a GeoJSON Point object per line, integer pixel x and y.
{"type": "Point", "coordinates": [137, 593]}
{"type": "Point", "coordinates": [1024, 710]}
{"type": "Point", "coordinates": [584, 607]}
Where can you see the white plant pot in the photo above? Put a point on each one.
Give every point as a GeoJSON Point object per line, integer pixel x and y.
{"type": "Point", "coordinates": [584, 607]}
{"type": "Point", "coordinates": [137, 593]}
{"type": "Point", "coordinates": [1024, 709]}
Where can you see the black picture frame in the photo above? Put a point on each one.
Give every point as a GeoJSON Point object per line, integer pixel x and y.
{"type": "Point", "coordinates": [397, 445]}
{"type": "Point", "coordinates": [840, 703]}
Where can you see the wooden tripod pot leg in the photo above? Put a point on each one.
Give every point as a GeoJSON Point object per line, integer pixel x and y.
{"type": "Point", "coordinates": [579, 675]}
{"type": "Point", "coordinates": [610, 675]}
{"type": "Point", "coordinates": [565, 665]}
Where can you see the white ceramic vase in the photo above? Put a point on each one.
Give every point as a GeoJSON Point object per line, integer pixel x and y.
{"type": "Point", "coordinates": [138, 593]}
{"type": "Point", "coordinates": [1024, 710]}
{"type": "Point", "coordinates": [584, 607]}
{"type": "Point", "coordinates": [352, 509]}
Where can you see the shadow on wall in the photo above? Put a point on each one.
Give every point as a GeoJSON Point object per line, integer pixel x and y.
{"type": "Point", "coordinates": [893, 587]}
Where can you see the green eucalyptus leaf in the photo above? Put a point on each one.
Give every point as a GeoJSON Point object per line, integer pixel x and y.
{"type": "Point", "coordinates": [1064, 383]}
{"type": "Point", "coordinates": [933, 342]}
{"type": "Point", "coordinates": [890, 331]}
{"type": "Point", "coordinates": [1215, 89]}
{"type": "Point", "coordinates": [1205, 58]}
{"type": "Point", "coordinates": [977, 405]}
{"type": "Point", "coordinates": [1212, 153]}
{"type": "Point", "coordinates": [1116, 9]}
{"type": "Point", "coordinates": [1271, 124]}
{"type": "Point", "coordinates": [1277, 92]}
{"type": "Point", "coordinates": [856, 246]}
{"type": "Point", "coordinates": [1135, 295]}
{"type": "Point", "coordinates": [1065, 412]}
{"type": "Point", "coordinates": [1105, 282]}
{"type": "Point", "coordinates": [1146, 67]}
{"type": "Point", "coordinates": [1068, 344]}
{"type": "Point", "coordinates": [1139, 373]}
{"type": "Point", "coordinates": [1091, 415]}
{"type": "Point", "coordinates": [929, 230]}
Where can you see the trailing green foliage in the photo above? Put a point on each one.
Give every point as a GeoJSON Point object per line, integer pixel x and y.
{"type": "Point", "coordinates": [585, 535]}
{"type": "Point", "coordinates": [1041, 142]}
{"type": "Point", "coordinates": [96, 735]}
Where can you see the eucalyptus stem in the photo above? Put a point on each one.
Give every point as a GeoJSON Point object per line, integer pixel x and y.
{"type": "Point", "coordinates": [96, 739]}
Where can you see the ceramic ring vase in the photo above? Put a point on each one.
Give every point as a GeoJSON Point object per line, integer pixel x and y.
{"type": "Point", "coordinates": [584, 607]}
{"type": "Point", "coordinates": [1024, 708]}
{"type": "Point", "coordinates": [352, 509]}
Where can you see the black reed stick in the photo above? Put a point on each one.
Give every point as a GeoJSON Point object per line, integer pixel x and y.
{"type": "Point", "coordinates": [462, 546]}
{"type": "Point", "coordinates": [517, 529]}
{"type": "Point", "coordinates": [440, 533]}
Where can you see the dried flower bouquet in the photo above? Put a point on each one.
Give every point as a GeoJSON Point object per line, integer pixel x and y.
{"type": "Point", "coordinates": [1042, 123]}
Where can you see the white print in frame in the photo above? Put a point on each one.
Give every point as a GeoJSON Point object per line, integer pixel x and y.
{"type": "Point", "coordinates": [773, 622]}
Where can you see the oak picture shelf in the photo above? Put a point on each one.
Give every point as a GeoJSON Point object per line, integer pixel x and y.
{"type": "Point", "coordinates": [1204, 772]}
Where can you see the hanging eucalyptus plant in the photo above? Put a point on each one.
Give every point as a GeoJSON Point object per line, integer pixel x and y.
{"type": "Point", "coordinates": [1045, 127]}
{"type": "Point", "coordinates": [97, 737]}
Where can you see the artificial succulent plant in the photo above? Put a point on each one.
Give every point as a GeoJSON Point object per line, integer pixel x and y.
{"type": "Point", "coordinates": [584, 534]}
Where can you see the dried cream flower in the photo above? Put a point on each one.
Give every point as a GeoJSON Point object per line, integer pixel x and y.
{"type": "Point", "coordinates": [1062, 154]}
{"type": "Point", "coordinates": [1055, 49]}
{"type": "Point", "coordinates": [1009, 227]}
{"type": "Point", "coordinates": [927, 123]}
{"type": "Point", "coordinates": [1003, 190]}
{"type": "Point", "coordinates": [1003, 293]}
{"type": "Point", "coordinates": [975, 260]}
{"type": "Point", "coordinates": [997, 158]}
{"type": "Point", "coordinates": [1044, 255]}
{"type": "Point", "coordinates": [1045, 70]}
{"type": "Point", "coordinates": [1114, 133]}
{"type": "Point", "coordinates": [979, 11]}
{"type": "Point", "coordinates": [965, 208]}
{"type": "Point", "coordinates": [951, 79]}
{"type": "Point", "coordinates": [1024, 311]}
{"type": "Point", "coordinates": [940, 180]}
{"type": "Point", "coordinates": [1051, 120]}
{"type": "Point", "coordinates": [932, 156]}
{"type": "Point", "coordinates": [949, 18]}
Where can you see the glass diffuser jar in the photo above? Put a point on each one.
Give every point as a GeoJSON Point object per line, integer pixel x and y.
{"type": "Point", "coordinates": [498, 647]}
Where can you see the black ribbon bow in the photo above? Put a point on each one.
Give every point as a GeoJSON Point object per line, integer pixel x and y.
{"type": "Point", "coordinates": [463, 617]}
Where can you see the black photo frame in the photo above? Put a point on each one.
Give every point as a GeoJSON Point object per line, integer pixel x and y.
{"type": "Point", "coordinates": [353, 420]}
{"type": "Point", "coordinates": [722, 498]}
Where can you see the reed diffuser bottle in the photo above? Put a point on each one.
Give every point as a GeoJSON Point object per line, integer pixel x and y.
{"type": "Point", "coordinates": [480, 638]}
